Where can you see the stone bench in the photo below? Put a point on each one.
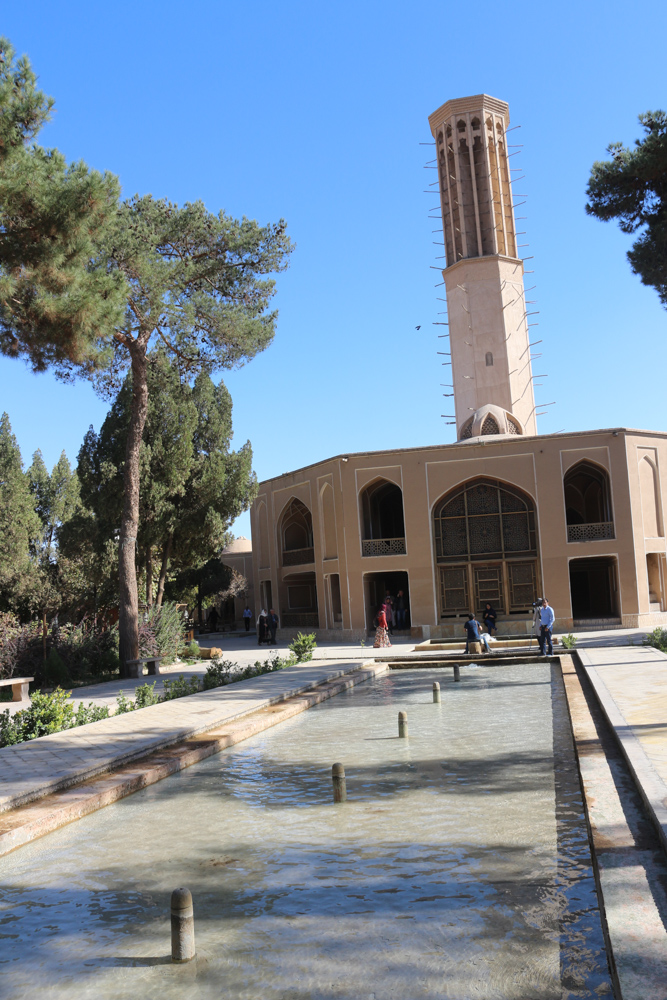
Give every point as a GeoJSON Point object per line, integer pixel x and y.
{"type": "Point", "coordinates": [19, 687]}
{"type": "Point", "coordinates": [135, 668]}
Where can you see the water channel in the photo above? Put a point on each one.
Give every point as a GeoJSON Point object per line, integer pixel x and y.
{"type": "Point", "coordinates": [459, 867]}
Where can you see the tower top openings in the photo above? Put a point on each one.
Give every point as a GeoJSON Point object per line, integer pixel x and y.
{"type": "Point", "coordinates": [488, 322]}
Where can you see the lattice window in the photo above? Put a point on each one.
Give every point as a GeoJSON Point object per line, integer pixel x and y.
{"type": "Point", "coordinates": [484, 518]}
{"type": "Point", "coordinates": [490, 426]}
{"type": "Point", "coordinates": [512, 428]}
{"type": "Point", "coordinates": [467, 430]}
{"type": "Point", "coordinates": [522, 578]}
{"type": "Point", "coordinates": [383, 547]}
{"type": "Point", "coordinates": [453, 589]}
{"type": "Point", "coordinates": [590, 532]}
{"type": "Point", "coordinates": [488, 586]}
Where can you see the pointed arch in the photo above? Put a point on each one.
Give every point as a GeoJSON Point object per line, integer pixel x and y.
{"type": "Point", "coordinates": [587, 502]}
{"type": "Point", "coordinates": [328, 514]}
{"type": "Point", "coordinates": [296, 534]}
{"type": "Point", "coordinates": [486, 547]}
{"type": "Point", "coordinates": [650, 494]}
{"type": "Point", "coordinates": [382, 522]}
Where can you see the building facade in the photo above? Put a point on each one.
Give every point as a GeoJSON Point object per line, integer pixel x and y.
{"type": "Point", "coordinates": [503, 515]}
{"type": "Point", "coordinates": [576, 517]}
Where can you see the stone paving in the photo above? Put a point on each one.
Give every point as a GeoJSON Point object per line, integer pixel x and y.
{"type": "Point", "coordinates": [36, 768]}
{"type": "Point", "coordinates": [631, 686]}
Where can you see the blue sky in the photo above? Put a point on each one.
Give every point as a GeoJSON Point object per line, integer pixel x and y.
{"type": "Point", "coordinates": [315, 113]}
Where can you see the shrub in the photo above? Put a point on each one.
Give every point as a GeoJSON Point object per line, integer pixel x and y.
{"type": "Point", "coordinates": [180, 687]}
{"type": "Point", "coordinates": [191, 651]}
{"type": "Point", "coordinates": [218, 674]}
{"type": "Point", "coordinates": [145, 695]}
{"type": "Point", "coordinates": [657, 638]}
{"type": "Point", "coordinates": [54, 671]}
{"type": "Point", "coordinates": [161, 632]}
{"type": "Point", "coordinates": [568, 641]}
{"type": "Point", "coordinates": [89, 649]}
{"type": "Point", "coordinates": [90, 713]}
{"type": "Point", "coordinates": [302, 647]}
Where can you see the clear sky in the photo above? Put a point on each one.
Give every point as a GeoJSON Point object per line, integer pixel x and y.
{"type": "Point", "coordinates": [315, 113]}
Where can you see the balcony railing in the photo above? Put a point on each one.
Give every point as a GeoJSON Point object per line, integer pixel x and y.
{"type": "Point", "coordinates": [383, 547]}
{"type": "Point", "coordinates": [297, 557]}
{"type": "Point", "coordinates": [590, 532]}
{"type": "Point", "coordinates": [299, 619]}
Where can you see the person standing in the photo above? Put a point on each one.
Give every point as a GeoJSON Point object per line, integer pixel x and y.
{"type": "Point", "coordinates": [247, 615]}
{"type": "Point", "coordinates": [262, 626]}
{"type": "Point", "coordinates": [389, 612]}
{"type": "Point", "coordinates": [381, 632]}
{"type": "Point", "coordinates": [474, 634]}
{"type": "Point", "coordinates": [400, 609]}
{"type": "Point", "coordinates": [273, 626]}
{"type": "Point", "coordinates": [547, 618]}
{"type": "Point", "coordinates": [213, 619]}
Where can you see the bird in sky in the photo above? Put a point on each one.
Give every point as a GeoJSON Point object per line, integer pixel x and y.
{"type": "Point", "coordinates": [417, 328]}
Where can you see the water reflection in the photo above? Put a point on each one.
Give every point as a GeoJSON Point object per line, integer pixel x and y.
{"type": "Point", "coordinates": [459, 867]}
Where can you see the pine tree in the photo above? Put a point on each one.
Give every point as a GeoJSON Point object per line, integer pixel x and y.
{"type": "Point", "coordinates": [19, 521]}
{"type": "Point", "coordinates": [632, 187]}
{"type": "Point", "coordinates": [55, 308]}
{"type": "Point", "coordinates": [86, 285]}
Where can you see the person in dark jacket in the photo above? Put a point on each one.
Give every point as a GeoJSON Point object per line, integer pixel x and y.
{"type": "Point", "coordinates": [273, 625]}
{"type": "Point", "coordinates": [490, 617]}
{"type": "Point", "coordinates": [262, 627]}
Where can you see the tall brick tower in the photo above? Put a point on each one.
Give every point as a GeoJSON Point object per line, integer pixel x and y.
{"type": "Point", "coordinates": [488, 323]}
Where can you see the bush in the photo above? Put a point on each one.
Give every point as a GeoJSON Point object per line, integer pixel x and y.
{"type": "Point", "coordinates": [89, 649]}
{"type": "Point", "coordinates": [568, 641]}
{"type": "Point", "coordinates": [145, 696]}
{"type": "Point", "coordinates": [657, 638]}
{"type": "Point", "coordinates": [161, 632]}
{"type": "Point", "coordinates": [180, 687]}
{"type": "Point", "coordinates": [303, 647]}
{"type": "Point", "coordinates": [218, 674]}
{"type": "Point", "coordinates": [191, 651]}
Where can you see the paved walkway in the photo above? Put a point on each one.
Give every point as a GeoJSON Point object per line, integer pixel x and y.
{"type": "Point", "coordinates": [36, 768]}
{"type": "Point", "coordinates": [631, 686]}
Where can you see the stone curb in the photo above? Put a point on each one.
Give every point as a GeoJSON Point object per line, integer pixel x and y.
{"type": "Point", "coordinates": [177, 733]}
{"type": "Point", "coordinates": [649, 783]}
{"type": "Point", "coordinates": [30, 821]}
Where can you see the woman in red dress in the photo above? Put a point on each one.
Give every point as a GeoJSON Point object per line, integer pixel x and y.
{"type": "Point", "coordinates": [382, 631]}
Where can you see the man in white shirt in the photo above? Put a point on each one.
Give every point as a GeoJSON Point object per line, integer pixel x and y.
{"type": "Point", "coordinates": [547, 618]}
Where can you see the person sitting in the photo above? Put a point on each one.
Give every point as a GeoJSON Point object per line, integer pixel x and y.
{"type": "Point", "coordinates": [490, 617]}
{"type": "Point", "coordinates": [474, 634]}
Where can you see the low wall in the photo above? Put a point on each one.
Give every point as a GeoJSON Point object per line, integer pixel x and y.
{"type": "Point", "coordinates": [454, 629]}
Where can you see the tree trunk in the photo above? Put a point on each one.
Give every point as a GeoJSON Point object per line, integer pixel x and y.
{"type": "Point", "coordinates": [149, 576]}
{"type": "Point", "coordinates": [44, 631]}
{"type": "Point", "coordinates": [166, 552]}
{"type": "Point", "coordinates": [128, 607]}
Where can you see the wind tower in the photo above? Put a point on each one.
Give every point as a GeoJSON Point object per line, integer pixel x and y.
{"type": "Point", "coordinates": [488, 322]}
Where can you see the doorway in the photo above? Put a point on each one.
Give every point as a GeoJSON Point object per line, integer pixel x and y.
{"type": "Point", "coordinates": [593, 588]}
{"type": "Point", "coordinates": [376, 586]}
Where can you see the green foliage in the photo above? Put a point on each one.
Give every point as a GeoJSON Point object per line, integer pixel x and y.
{"type": "Point", "coordinates": [180, 687]}
{"type": "Point", "coordinates": [55, 672]}
{"type": "Point", "coordinates": [124, 704]}
{"type": "Point", "coordinates": [145, 695]}
{"type": "Point", "coordinates": [632, 187]}
{"type": "Point", "coordinates": [568, 641]}
{"type": "Point", "coordinates": [90, 713]}
{"type": "Point", "coordinates": [303, 646]}
{"type": "Point", "coordinates": [191, 651]}
{"type": "Point", "coordinates": [218, 674]}
{"type": "Point", "coordinates": [657, 638]}
{"type": "Point", "coordinates": [19, 521]}
{"type": "Point", "coordinates": [55, 308]}
{"type": "Point", "coordinates": [47, 713]}
{"type": "Point", "coordinates": [161, 634]}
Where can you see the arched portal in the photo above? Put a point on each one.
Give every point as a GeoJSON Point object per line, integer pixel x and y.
{"type": "Point", "coordinates": [587, 503]}
{"type": "Point", "coordinates": [486, 549]}
{"type": "Point", "coordinates": [383, 527]}
{"type": "Point", "coordinates": [296, 534]}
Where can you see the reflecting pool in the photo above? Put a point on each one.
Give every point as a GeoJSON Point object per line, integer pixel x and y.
{"type": "Point", "coordinates": [459, 866]}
